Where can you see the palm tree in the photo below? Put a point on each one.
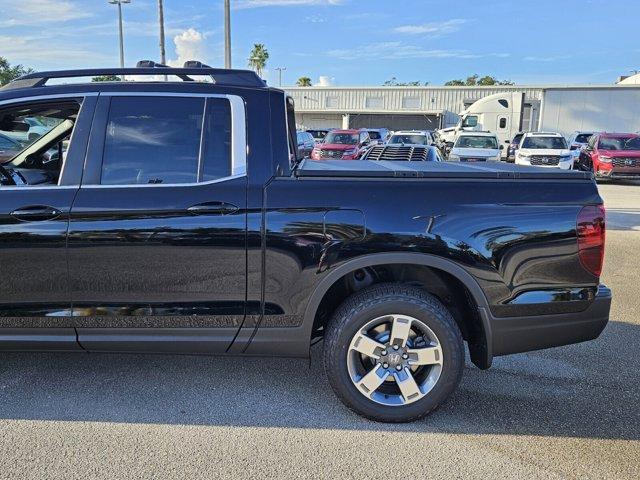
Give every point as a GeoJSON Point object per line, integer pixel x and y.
{"type": "Point", "coordinates": [304, 82]}
{"type": "Point", "coordinates": [258, 58]}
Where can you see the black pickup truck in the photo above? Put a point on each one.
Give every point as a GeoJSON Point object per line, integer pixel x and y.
{"type": "Point", "coordinates": [175, 217]}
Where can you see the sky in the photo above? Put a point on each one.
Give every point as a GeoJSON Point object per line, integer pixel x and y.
{"type": "Point", "coordinates": [346, 42]}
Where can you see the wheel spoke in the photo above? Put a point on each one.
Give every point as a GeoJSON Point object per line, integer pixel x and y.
{"type": "Point", "coordinates": [372, 380]}
{"type": "Point", "coordinates": [400, 330]}
{"type": "Point", "coordinates": [367, 346]}
{"type": "Point", "coordinates": [407, 384]}
{"type": "Point", "coordinates": [425, 356]}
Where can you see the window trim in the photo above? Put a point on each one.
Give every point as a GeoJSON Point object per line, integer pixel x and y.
{"type": "Point", "coordinates": [239, 145]}
{"type": "Point", "coordinates": [82, 96]}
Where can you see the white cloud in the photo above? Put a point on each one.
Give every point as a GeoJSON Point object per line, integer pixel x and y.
{"type": "Point", "coordinates": [243, 4]}
{"type": "Point", "coordinates": [49, 53]}
{"type": "Point", "coordinates": [17, 13]}
{"type": "Point", "coordinates": [190, 45]}
{"type": "Point", "coordinates": [398, 50]}
{"type": "Point", "coordinates": [432, 29]}
{"type": "Point", "coordinates": [325, 81]}
{"type": "Point", "coordinates": [550, 58]}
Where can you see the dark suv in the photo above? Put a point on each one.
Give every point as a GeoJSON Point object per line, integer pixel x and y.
{"type": "Point", "coordinates": [177, 217]}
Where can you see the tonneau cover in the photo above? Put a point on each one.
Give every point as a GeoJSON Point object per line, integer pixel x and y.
{"type": "Point", "coordinates": [494, 170]}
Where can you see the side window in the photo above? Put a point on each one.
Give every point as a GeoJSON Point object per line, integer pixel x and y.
{"type": "Point", "coordinates": [34, 141]}
{"type": "Point", "coordinates": [166, 140]}
{"type": "Point", "coordinates": [470, 121]}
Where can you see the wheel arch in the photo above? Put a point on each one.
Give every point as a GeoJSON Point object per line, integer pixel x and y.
{"type": "Point", "coordinates": [482, 356]}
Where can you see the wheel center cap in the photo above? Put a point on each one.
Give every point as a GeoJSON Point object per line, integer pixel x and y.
{"type": "Point", "coordinates": [394, 358]}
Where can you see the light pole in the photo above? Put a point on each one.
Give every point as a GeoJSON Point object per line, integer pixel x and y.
{"type": "Point", "coordinates": [163, 55]}
{"type": "Point", "coordinates": [227, 34]}
{"type": "Point", "coordinates": [119, 3]}
{"type": "Point", "coordinates": [280, 70]}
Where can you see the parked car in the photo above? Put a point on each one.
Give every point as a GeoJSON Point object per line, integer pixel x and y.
{"type": "Point", "coordinates": [306, 142]}
{"type": "Point", "coordinates": [611, 155]}
{"type": "Point", "coordinates": [36, 128]}
{"type": "Point", "coordinates": [577, 141]}
{"type": "Point", "coordinates": [403, 153]}
{"type": "Point", "coordinates": [475, 147]}
{"type": "Point", "coordinates": [9, 147]}
{"type": "Point", "coordinates": [378, 136]}
{"type": "Point", "coordinates": [343, 144]}
{"type": "Point", "coordinates": [216, 241]}
{"type": "Point", "coordinates": [544, 149]}
{"type": "Point", "coordinates": [412, 137]}
{"type": "Point", "coordinates": [318, 134]}
{"type": "Point", "coordinates": [513, 147]}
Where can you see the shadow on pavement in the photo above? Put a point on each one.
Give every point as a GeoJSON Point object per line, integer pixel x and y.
{"type": "Point", "coordinates": [588, 390]}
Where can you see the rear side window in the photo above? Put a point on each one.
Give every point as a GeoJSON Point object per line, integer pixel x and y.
{"type": "Point", "coordinates": [160, 140]}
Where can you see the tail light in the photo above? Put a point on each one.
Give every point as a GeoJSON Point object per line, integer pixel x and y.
{"type": "Point", "coordinates": [590, 230]}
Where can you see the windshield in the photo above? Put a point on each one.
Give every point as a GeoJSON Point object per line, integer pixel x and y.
{"type": "Point", "coordinates": [341, 138]}
{"type": "Point", "coordinates": [583, 137]}
{"type": "Point", "coordinates": [317, 134]}
{"type": "Point", "coordinates": [543, 143]}
{"type": "Point", "coordinates": [476, 142]}
{"type": "Point", "coordinates": [619, 143]}
{"type": "Point", "coordinates": [410, 139]}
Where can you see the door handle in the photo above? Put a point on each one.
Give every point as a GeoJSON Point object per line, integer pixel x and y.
{"type": "Point", "coordinates": [36, 213]}
{"type": "Point", "coordinates": [213, 208]}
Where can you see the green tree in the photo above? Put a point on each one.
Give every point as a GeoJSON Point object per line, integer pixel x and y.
{"type": "Point", "coordinates": [476, 80]}
{"type": "Point", "coordinates": [258, 58]}
{"type": "Point", "coordinates": [9, 73]}
{"type": "Point", "coordinates": [304, 82]}
{"type": "Point", "coordinates": [393, 82]}
{"type": "Point", "coordinates": [106, 78]}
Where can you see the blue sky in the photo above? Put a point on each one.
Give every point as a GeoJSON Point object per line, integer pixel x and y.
{"type": "Point", "coordinates": [351, 42]}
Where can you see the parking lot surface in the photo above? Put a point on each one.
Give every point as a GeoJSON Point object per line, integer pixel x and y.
{"type": "Point", "coordinates": [561, 413]}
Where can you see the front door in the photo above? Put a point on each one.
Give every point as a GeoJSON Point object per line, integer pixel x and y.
{"type": "Point", "coordinates": [38, 181]}
{"type": "Point", "coordinates": [157, 236]}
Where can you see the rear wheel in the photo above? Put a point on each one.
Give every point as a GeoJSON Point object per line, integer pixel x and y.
{"type": "Point", "coordinates": [393, 353]}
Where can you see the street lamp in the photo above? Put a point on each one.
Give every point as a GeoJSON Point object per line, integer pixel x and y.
{"type": "Point", "coordinates": [119, 3]}
{"type": "Point", "coordinates": [280, 70]}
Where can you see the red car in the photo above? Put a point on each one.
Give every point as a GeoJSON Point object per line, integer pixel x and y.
{"type": "Point", "coordinates": [612, 155]}
{"type": "Point", "coordinates": [342, 145]}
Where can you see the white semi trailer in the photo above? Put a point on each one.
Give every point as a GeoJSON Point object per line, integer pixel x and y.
{"type": "Point", "coordinates": [562, 109]}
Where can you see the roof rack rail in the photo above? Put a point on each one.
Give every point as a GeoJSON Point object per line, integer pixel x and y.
{"type": "Point", "coordinates": [219, 76]}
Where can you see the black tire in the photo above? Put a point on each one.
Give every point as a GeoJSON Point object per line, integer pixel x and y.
{"type": "Point", "coordinates": [385, 299]}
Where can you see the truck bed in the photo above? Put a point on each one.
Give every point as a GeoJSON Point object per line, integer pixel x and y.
{"type": "Point", "coordinates": [492, 170]}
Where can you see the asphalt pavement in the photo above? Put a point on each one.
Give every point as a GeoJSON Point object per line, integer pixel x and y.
{"type": "Point", "coordinates": [560, 413]}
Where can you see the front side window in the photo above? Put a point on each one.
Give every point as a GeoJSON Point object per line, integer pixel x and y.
{"type": "Point", "coordinates": [468, 141]}
{"type": "Point", "coordinates": [544, 143]}
{"type": "Point", "coordinates": [582, 137]}
{"type": "Point", "coordinates": [166, 140]}
{"type": "Point", "coordinates": [34, 140]}
{"type": "Point", "coordinates": [470, 121]}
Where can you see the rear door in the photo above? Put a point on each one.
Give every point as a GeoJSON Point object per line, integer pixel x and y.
{"type": "Point", "coordinates": [157, 236]}
{"type": "Point", "coordinates": [36, 194]}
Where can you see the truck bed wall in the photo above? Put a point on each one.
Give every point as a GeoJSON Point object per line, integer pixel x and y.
{"type": "Point", "coordinates": [513, 237]}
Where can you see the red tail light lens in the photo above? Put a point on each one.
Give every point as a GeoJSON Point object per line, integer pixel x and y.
{"type": "Point", "coordinates": [590, 230]}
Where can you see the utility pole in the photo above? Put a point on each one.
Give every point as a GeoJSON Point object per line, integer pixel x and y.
{"type": "Point", "coordinates": [280, 70]}
{"type": "Point", "coordinates": [163, 55]}
{"type": "Point", "coordinates": [119, 3]}
{"type": "Point", "coordinates": [227, 34]}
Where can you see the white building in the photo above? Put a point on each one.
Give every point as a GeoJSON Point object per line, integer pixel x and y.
{"type": "Point", "coordinates": [411, 107]}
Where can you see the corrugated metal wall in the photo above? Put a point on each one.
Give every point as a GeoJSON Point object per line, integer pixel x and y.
{"type": "Point", "coordinates": [447, 101]}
